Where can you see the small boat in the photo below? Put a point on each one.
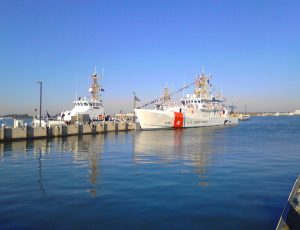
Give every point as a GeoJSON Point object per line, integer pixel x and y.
{"type": "Point", "coordinates": [201, 108]}
{"type": "Point", "coordinates": [290, 217]}
{"type": "Point", "coordinates": [244, 117]}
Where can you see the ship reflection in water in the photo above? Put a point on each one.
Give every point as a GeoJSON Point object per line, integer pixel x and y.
{"type": "Point", "coordinates": [191, 150]}
{"type": "Point", "coordinates": [85, 151]}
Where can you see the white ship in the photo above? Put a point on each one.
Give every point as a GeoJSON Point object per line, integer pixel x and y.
{"type": "Point", "coordinates": [84, 109]}
{"type": "Point", "coordinates": [92, 107]}
{"type": "Point", "coordinates": [198, 109]}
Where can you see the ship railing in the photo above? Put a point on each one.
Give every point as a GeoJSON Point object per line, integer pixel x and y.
{"type": "Point", "coordinates": [172, 104]}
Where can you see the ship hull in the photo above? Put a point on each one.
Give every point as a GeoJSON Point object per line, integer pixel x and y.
{"type": "Point", "coordinates": [157, 119]}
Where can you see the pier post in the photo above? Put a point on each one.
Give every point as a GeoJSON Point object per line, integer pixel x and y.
{"type": "Point", "coordinates": [116, 127]}
{"type": "Point", "coordinates": [2, 132]}
{"type": "Point", "coordinates": [49, 132]}
{"type": "Point", "coordinates": [80, 129]}
{"type": "Point", "coordinates": [64, 130]}
{"type": "Point", "coordinates": [94, 129]}
{"type": "Point", "coordinates": [7, 133]}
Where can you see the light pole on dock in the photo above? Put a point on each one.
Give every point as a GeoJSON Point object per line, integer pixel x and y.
{"type": "Point", "coordinates": [41, 89]}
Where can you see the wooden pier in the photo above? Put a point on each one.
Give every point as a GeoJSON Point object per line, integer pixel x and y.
{"type": "Point", "coordinates": [28, 132]}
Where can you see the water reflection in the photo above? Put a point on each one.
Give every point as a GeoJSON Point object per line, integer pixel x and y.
{"type": "Point", "coordinates": [86, 148]}
{"type": "Point", "coordinates": [40, 181]}
{"type": "Point", "coordinates": [86, 152]}
{"type": "Point", "coordinates": [191, 147]}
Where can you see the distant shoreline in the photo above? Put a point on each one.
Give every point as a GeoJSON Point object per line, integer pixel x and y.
{"type": "Point", "coordinates": [14, 116]}
{"type": "Point", "coordinates": [25, 116]}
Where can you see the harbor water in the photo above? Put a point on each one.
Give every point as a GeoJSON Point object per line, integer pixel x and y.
{"type": "Point", "coordinates": [235, 177]}
{"type": "Point", "coordinates": [9, 122]}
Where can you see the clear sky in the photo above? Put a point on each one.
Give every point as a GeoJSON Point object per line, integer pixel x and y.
{"type": "Point", "coordinates": [252, 49]}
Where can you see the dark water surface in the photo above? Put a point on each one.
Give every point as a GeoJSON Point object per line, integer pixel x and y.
{"type": "Point", "coordinates": [235, 177]}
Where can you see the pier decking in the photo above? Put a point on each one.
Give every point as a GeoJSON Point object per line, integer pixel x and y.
{"type": "Point", "coordinates": [28, 132]}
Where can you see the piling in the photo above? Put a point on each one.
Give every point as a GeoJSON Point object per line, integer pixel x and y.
{"type": "Point", "coordinates": [7, 133]}
{"type": "Point", "coordinates": [2, 132]}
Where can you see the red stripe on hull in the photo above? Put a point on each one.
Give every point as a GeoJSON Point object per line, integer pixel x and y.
{"type": "Point", "coordinates": [178, 120]}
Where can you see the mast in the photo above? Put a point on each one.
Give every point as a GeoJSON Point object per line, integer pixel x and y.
{"type": "Point", "coordinates": [95, 87]}
{"type": "Point", "coordinates": [166, 95]}
{"type": "Point", "coordinates": [202, 85]}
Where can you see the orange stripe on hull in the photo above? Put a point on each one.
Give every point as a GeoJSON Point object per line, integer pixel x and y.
{"type": "Point", "coordinates": [178, 120]}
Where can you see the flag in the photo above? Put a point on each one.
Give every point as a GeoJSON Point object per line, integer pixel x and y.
{"type": "Point", "coordinates": [102, 89]}
{"type": "Point", "coordinates": [136, 98]}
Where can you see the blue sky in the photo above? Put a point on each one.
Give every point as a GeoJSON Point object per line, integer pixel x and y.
{"type": "Point", "coordinates": [252, 49]}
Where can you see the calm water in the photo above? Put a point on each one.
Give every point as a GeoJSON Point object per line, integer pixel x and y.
{"type": "Point", "coordinates": [236, 177]}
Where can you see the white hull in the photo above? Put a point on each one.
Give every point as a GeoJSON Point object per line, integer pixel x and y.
{"type": "Point", "coordinates": [167, 119]}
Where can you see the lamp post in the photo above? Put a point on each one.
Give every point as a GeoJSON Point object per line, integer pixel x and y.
{"type": "Point", "coordinates": [41, 88]}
